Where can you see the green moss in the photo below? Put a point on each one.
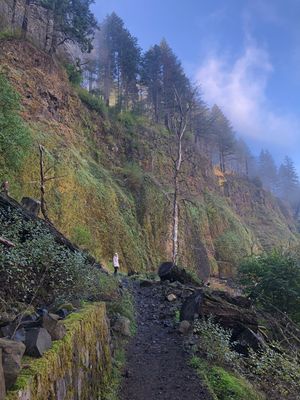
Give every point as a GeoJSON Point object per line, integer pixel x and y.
{"type": "Point", "coordinates": [84, 330]}
{"type": "Point", "coordinates": [223, 384]}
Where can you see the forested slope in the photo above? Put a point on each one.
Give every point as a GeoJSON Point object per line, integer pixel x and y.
{"type": "Point", "coordinates": [113, 177]}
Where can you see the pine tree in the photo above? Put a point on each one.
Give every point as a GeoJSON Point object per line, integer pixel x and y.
{"type": "Point", "coordinates": [267, 171]}
{"type": "Point", "coordinates": [119, 61]}
{"type": "Point", "coordinates": [73, 22]}
{"type": "Point", "coordinates": [288, 181]}
{"type": "Point", "coordinates": [223, 135]}
{"type": "Point", "coordinates": [151, 77]}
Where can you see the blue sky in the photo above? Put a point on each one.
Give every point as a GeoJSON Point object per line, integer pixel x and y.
{"type": "Point", "coordinates": [245, 54]}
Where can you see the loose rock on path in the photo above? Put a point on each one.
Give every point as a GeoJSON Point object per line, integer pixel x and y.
{"type": "Point", "coordinates": [157, 365]}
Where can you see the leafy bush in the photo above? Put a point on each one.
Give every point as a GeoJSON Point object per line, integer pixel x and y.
{"type": "Point", "coordinates": [15, 136]}
{"type": "Point", "coordinates": [41, 271]}
{"type": "Point", "coordinates": [273, 280]}
{"type": "Point", "coordinates": [93, 102]}
{"type": "Point", "coordinates": [74, 74]}
{"type": "Point", "coordinates": [275, 372]}
{"type": "Point", "coordinates": [215, 343]}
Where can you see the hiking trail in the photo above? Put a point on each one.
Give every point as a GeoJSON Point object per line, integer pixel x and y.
{"type": "Point", "coordinates": [157, 364]}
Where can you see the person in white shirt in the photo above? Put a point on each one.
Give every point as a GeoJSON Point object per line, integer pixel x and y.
{"type": "Point", "coordinates": [116, 263]}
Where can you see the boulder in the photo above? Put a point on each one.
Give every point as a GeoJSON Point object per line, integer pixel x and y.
{"type": "Point", "coordinates": [184, 327]}
{"type": "Point", "coordinates": [55, 328]}
{"type": "Point", "coordinates": [168, 271]}
{"type": "Point", "coordinates": [10, 332]}
{"type": "Point", "coordinates": [38, 340]}
{"type": "Point", "coordinates": [191, 306]}
{"type": "Point", "coordinates": [31, 205]}
{"type": "Point", "coordinates": [12, 353]}
{"type": "Point", "coordinates": [2, 380]}
{"type": "Point", "coordinates": [122, 326]}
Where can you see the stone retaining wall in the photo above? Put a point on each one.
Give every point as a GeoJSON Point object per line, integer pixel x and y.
{"type": "Point", "coordinates": [77, 367]}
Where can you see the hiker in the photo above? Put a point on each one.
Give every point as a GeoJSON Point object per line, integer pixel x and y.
{"type": "Point", "coordinates": [5, 188]}
{"type": "Point", "coordinates": [116, 263]}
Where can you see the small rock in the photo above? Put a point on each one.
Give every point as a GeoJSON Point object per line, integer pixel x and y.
{"type": "Point", "coordinates": [12, 353]}
{"type": "Point", "coordinates": [2, 380]}
{"type": "Point", "coordinates": [184, 327]}
{"type": "Point", "coordinates": [146, 283]}
{"type": "Point", "coordinates": [122, 326]}
{"type": "Point", "coordinates": [56, 328]}
{"type": "Point", "coordinates": [171, 297]}
{"type": "Point", "coordinates": [38, 340]}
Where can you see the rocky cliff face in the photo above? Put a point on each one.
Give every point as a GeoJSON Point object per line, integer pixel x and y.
{"type": "Point", "coordinates": [36, 21]}
{"type": "Point", "coordinates": [115, 181]}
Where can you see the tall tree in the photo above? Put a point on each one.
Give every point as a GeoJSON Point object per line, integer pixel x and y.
{"type": "Point", "coordinates": [177, 123]}
{"type": "Point", "coordinates": [267, 171]}
{"type": "Point", "coordinates": [151, 77]}
{"type": "Point", "coordinates": [161, 72]}
{"type": "Point", "coordinates": [289, 182]}
{"type": "Point", "coordinates": [119, 59]}
{"type": "Point", "coordinates": [222, 131]}
{"type": "Point", "coordinates": [73, 22]}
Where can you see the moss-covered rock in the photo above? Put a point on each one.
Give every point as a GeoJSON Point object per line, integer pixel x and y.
{"type": "Point", "coordinates": [76, 367]}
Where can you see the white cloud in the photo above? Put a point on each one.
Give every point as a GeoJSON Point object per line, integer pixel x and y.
{"type": "Point", "coordinates": [239, 87]}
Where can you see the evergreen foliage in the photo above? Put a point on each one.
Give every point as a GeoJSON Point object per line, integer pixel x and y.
{"type": "Point", "coordinates": [73, 22]}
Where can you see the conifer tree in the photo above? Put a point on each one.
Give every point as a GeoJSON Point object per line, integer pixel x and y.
{"type": "Point", "coordinates": [223, 135]}
{"type": "Point", "coordinates": [267, 171]}
{"type": "Point", "coordinates": [73, 22]}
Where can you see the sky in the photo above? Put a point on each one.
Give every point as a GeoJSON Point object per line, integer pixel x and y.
{"type": "Point", "coordinates": [244, 54]}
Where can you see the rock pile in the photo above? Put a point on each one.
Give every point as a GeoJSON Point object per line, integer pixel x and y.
{"type": "Point", "coordinates": [31, 335]}
{"type": "Point", "coordinates": [195, 302]}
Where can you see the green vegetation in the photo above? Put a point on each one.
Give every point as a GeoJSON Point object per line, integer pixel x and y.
{"type": "Point", "coordinates": [74, 74]}
{"type": "Point", "coordinates": [273, 281]}
{"type": "Point", "coordinates": [81, 236]}
{"type": "Point", "coordinates": [15, 136]}
{"type": "Point", "coordinates": [223, 384]}
{"type": "Point", "coordinates": [215, 343]}
{"type": "Point", "coordinates": [41, 271]}
{"type": "Point", "coordinates": [92, 101]}
{"type": "Point", "coordinates": [273, 370]}
{"type": "Point", "coordinates": [283, 368]}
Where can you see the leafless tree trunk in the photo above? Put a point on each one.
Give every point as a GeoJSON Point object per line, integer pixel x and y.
{"type": "Point", "coordinates": [42, 183]}
{"type": "Point", "coordinates": [176, 125]}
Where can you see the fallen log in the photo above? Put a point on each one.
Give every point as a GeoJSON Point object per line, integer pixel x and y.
{"type": "Point", "coordinates": [6, 242]}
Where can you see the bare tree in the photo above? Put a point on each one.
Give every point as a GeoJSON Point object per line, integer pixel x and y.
{"type": "Point", "coordinates": [43, 180]}
{"type": "Point", "coordinates": [176, 124]}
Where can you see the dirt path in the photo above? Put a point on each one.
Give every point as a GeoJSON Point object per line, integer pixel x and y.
{"type": "Point", "coordinates": [157, 366]}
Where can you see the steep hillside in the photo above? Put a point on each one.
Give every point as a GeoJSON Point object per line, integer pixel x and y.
{"type": "Point", "coordinates": [114, 180]}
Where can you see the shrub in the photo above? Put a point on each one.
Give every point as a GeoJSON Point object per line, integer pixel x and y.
{"type": "Point", "coordinates": [93, 102]}
{"type": "Point", "coordinates": [74, 74]}
{"type": "Point", "coordinates": [15, 136]}
{"type": "Point", "coordinates": [215, 343]}
{"type": "Point", "coordinates": [275, 372]}
{"type": "Point", "coordinates": [41, 271]}
{"type": "Point", "coordinates": [273, 279]}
